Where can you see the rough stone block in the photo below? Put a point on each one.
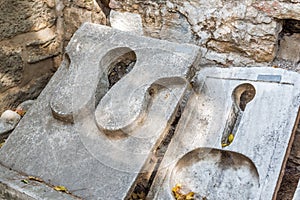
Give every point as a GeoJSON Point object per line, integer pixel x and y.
{"type": "Point", "coordinates": [24, 16]}
{"type": "Point", "coordinates": [126, 22]}
{"type": "Point", "coordinates": [74, 17]}
{"type": "Point", "coordinates": [11, 67]}
{"type": "Point", "coordinates": [8, 121]}
{"type": "Point", "coordinates": [290, 49]}
{"type": "Point", "coordinates": [95, 138]}
{"type": "Point", "coordinates": [233, 136]}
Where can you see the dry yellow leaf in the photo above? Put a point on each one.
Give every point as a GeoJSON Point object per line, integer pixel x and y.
{"type": "Point", "coordinates": [35, 179]}
{"type": "Point", "coordinates": [230, 138]}
{"type": "Point", "coordinates": [224, 144]}
{"type": "Point", "coordinates": [178, 194]}
{"type": "Point", "coordinates": [176, 188]}
{"type": "Point", "coordinates": [20, 111]}
{"type": "Point", "coordinates": [190, 196]}
{"type": "Point", "coordinates": [1, 144]}
{"type": "Point", "coordinates": [60, 188]}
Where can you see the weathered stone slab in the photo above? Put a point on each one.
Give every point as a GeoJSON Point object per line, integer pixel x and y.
{"type": "Point", "coordinates": [12, 187]}
{"type": "Point", "coordinates": [94, 138]}
{"type": "Point", "coordinates": [126, 21]}
{"type": "Point", "coordinates": [232, 138]}
{"type": "Point", "coordinates": [8, 121]}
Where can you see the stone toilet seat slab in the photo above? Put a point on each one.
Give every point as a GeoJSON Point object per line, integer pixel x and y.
{"type": "Point", "coordinates": [258, 106]}
{"type": "Point", "coordinates": [95, 138]}
{"type": "Point", "coordinates": [90, 138]}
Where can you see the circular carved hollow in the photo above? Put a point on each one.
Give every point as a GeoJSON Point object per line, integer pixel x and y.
{"type": "Point", "coordinates": [216, 174]}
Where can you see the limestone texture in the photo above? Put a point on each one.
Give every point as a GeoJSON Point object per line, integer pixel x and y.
{"type": "Point", "coordinates": [8, 121]}
{"type": "Point", "coordinates": [24, 16]}
{"type": "Point", "coordinates": [289, 48]}
{"type": "Point", "coordinates": [235, 33]}
{"type": "Point", "coordinates": [11, 67]}
{"type": "Point", "coordinates": [126, 22]}
{"type": "Point", "coordinates": [96, 146]}
{"type": "Point", "coordinates": [33, 34]}
{"type": "Point", "coordinates": [239, 102]}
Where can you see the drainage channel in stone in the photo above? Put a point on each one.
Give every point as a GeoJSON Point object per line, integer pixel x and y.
{"type": "Point", "coordinates": [144, 181]}
{"type": "Point", "coordinates": [241, 96]}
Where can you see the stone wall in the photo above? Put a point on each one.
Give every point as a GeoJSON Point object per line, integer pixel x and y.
{"type": "Point", "coordinates": [230, 32]}
{"type": "Point", "coordinates": [32, 36]}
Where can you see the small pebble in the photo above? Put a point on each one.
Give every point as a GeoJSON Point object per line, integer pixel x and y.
{"type": "Point", "coordinates": [10, 117]}
{"type": "Point", "coordinates": [8, 121]}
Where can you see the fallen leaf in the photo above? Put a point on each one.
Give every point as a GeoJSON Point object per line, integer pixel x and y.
{"type": "Point", "coordinates": [20, 111]}
{"type": "Point", "coordinates": [230, 138]}
{"type": "Point", "coordinates": [25, 181]}
{"type": "Point", "coordinates": [178, 194]}
{"type": "Point", "coordinates": [224, 144]}
{"type": "Point", "coordinates": [190, 196]}
{"type": "Point", "coordinates": [60, 188]}
{"type": "Point", "coordinates": [1, 144]}
{"type": "Point", "coordinates": [35, 179]}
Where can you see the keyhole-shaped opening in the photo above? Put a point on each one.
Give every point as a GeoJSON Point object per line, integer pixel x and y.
{"type": "Point", "coordinates": [122, 66]}
{"type": "Point", "coordinates": [241, 96]}
{"type": "Point", "coordinates": [118, 62]}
